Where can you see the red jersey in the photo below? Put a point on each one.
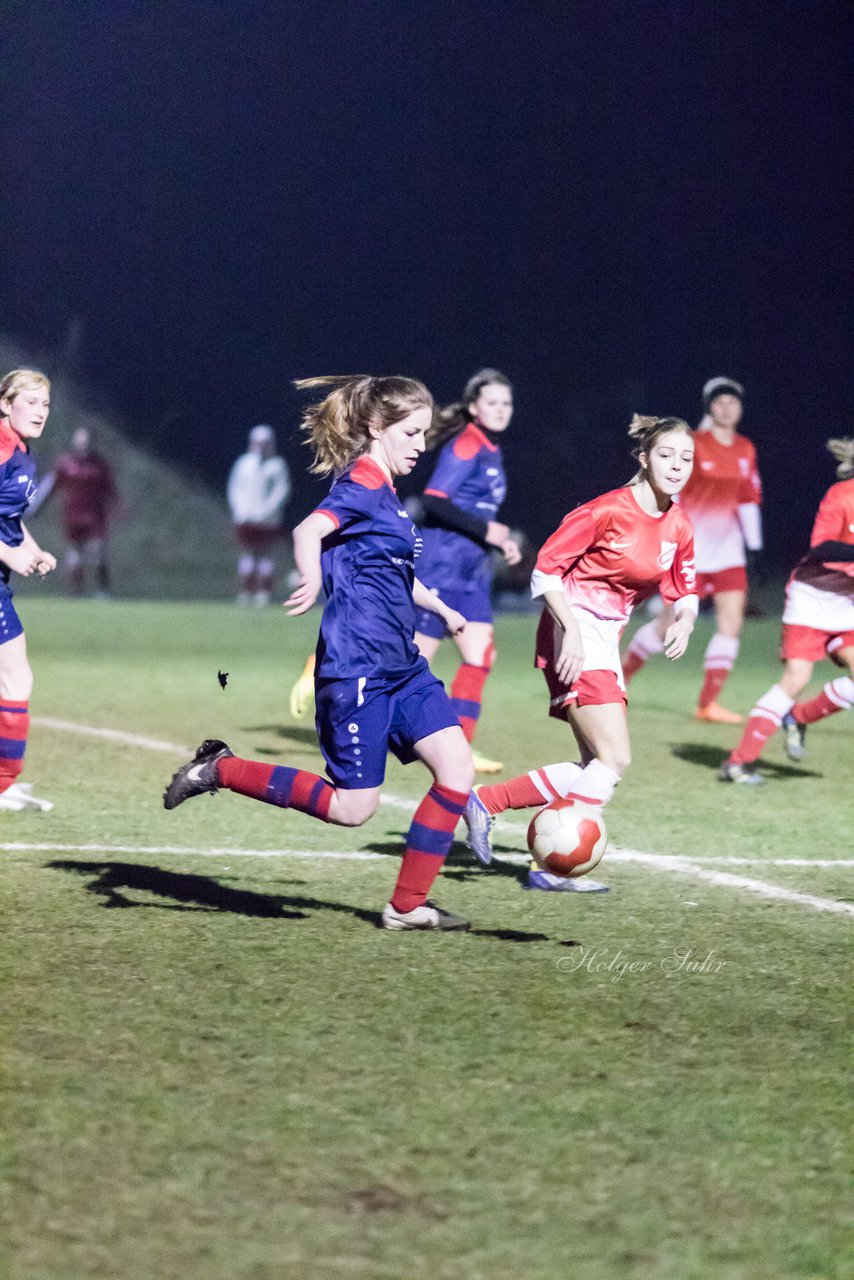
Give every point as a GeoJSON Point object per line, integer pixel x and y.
{"type": "Point", "coordinates": [833, 523]}
{"type": "Point", "coordinates": [724, 478]}
{"type": "Point", "coordinates": [609, 555]}
{"type": "Point", "coordinates": [88, 491]}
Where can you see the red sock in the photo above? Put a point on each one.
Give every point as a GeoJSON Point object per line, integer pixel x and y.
{"type": "Point", "coordinates": [715, 679]}
{"type": "Point", "coordinates": [467, 696]}
{"type": "Point", "coordinates": [14, 727]}
{"type": "Point", "coordinates": [516, 793]}
{"type": "Point", "coordinates": [427, 845]}
{"type": "Point", "coordinates": [276, 784]}
{"type": "Point", "coordinates": [757, 732]}
{"type": "Point", "coordinates": [817, 708]}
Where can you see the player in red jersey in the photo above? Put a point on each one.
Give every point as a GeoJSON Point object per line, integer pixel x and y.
{"type": "Point", "coordinates": [818, 622]}
{"type": "Point", "coordinates": [722, 499]}
{"type": "Point", "coordinates": [24, 406]}
{"type": "Point", "coordinates": [607, 556]}
{"type": "Point", "coordinates": [84, 480]}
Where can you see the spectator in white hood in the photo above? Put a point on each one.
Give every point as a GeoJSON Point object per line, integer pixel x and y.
{"type": "Point", "coordinates": [258, 489]}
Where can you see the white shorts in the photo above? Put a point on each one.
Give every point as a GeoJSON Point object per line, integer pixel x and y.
{"type": "Point", "coordinates": [807, 606]}
{"type": "Point", "coordinates": [601, 640]}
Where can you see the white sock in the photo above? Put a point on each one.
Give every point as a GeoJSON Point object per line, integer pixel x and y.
{"type": "Point", "coordinates": [595, 784]}
{"type": "Point", "coordinates": [721, 652]}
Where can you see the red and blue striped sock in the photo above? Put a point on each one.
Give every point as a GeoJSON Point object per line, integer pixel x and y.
{"type": "Point", "coordinates": [277, 784]}
{"type": "Point", "coordinates": [14, 727]}
{"type": "Point", "coordinates": [427, 844]}
{"type": "Point", "coordinates": [467, 696]}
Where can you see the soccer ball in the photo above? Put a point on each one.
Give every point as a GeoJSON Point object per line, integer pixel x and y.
{"type": "Point", "coordinates": [567, 837]}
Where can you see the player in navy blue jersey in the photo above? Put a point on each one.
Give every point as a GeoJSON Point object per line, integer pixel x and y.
{"type": "Point", "coordinates": [461, 529]}
{"type": "Point", "coordinates": [24, 406]}
{"type": "Point", "coordinates": [374, 691]}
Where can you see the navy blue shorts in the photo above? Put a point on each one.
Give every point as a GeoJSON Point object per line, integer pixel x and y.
{"type": "Point", "coordinates": [10, 623]}
{"type": "Point", "coordinates": [473, 603]}
{"type": "Point", "coordinates": [360, 720]}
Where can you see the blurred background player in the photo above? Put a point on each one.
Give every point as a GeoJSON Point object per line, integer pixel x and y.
{"type": "Point", "coordinates": [86, 486]}
{"type": "Point", "coordinates": [24, 407]}
{"type": "Point", "coordinates": [722, 500]}
{"type": "Point", "coordinates": [460, 504]}
{"type": "Point", "coordinates": [258, 489]}
{"type": "Point", "coordinates": [607, 556]}
{"type": "Point", "coordinates": [818, 622]}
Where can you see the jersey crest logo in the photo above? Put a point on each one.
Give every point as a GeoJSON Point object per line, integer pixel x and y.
{"type": "Point", "coordinates": [706, 464]}
{"type": "Point", "coordinates": [666, 555]}
{"type": "Point", "coordinates": [744, 466]}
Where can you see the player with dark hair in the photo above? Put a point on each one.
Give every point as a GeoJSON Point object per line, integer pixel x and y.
{"type": "Point", "coordinates": [24, 407]}
{"type": "Point", "coordinates": [607, 556]}
{"type": "Point", "coordinates": [722, 500]}
{"type": "Point", "coordinates": [461, 529]}
{"type": "Point", "coordinates": [818, 622]}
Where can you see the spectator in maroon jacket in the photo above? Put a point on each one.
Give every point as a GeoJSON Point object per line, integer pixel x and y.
{"type": "Point", "coordinates": [84, 480]}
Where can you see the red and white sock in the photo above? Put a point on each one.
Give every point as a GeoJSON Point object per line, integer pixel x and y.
{"type": "Point", "coordinates": [762, 723]}
{"type": "Point", "coordinates": [595, 784]}
{"type": "Point", "coordinates": [837, 695]}
{"type": "Point", "coordinates": [14, 728]}
{"type": "Point", "coordinates": [539, 787]}
{"type": "Point", "coordinates": [645, 644]}
{"type": "Point", "coordinates": [427, 844]}
{"type": "Point", "coordinates": [718, 662]}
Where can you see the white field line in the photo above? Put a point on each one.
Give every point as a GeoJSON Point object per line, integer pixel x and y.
{"type": "Point", "coordinates": [344, 856]}
{"type": "Point", "coordinates": [113, 735]}
{"type": "Point", "coordinates": [655, 861]}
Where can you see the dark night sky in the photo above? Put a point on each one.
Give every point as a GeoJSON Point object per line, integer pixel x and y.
{"type": "Point", "coordinates": [610, 201]}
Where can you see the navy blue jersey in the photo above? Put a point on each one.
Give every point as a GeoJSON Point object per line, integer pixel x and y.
{"type": "Point", "coordinates": [17, 488]}
{"type": "Point", "coordinates": [470, 474]}
{"type": "Point", "coordinates": [368, 567]}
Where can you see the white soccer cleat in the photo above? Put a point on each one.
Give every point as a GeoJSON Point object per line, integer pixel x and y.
{"type": "Point", "coordinates": [428, 916]}
{"type": "Point", "coordinates": [539, 879]}
{"type": "Point", "coordinates": [20, 796]}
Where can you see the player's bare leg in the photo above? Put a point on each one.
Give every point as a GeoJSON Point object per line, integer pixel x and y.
{"type": "Point", "coordinates": [16, 684]}
{"type": "Point", "coordinates": [448, 757]}
{"type": "Point", "coordinates": [477, 650]}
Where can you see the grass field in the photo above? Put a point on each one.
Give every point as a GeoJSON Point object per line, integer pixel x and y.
{"type": "Point", "coordinates": [217, 1067]}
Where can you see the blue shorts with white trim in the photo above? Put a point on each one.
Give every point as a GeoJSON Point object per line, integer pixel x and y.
{"type": "Point", "coordinates": [359, 720]}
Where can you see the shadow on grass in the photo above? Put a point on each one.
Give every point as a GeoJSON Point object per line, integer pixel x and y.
{"type": "Point", "coordinates": [709, 757]}
{"type": "Point", "coordinates": [459, 861]}
{"type": "Point", "coordinates": [190, 892]}
{"type": "Point", "coordinates": [303, 735]}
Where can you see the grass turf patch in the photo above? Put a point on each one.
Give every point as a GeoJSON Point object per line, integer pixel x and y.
{"type": "Point", "coordinates": [220, 1067]}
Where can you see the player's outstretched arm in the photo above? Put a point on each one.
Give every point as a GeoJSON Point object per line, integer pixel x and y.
{"type": "Point", "coordinates": [678, 634]}
{"type": "Point", "coordinates": [570, 660]}
{"type": "Point", "coordinates": [45, 561]}
{"type": "Point", "coordinates": [426, 599]}
{"type": "Point", "coordinates": [307, 539]}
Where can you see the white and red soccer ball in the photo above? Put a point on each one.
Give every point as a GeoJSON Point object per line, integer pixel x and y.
{"type": "Point", "coordinates": [567, 837]}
